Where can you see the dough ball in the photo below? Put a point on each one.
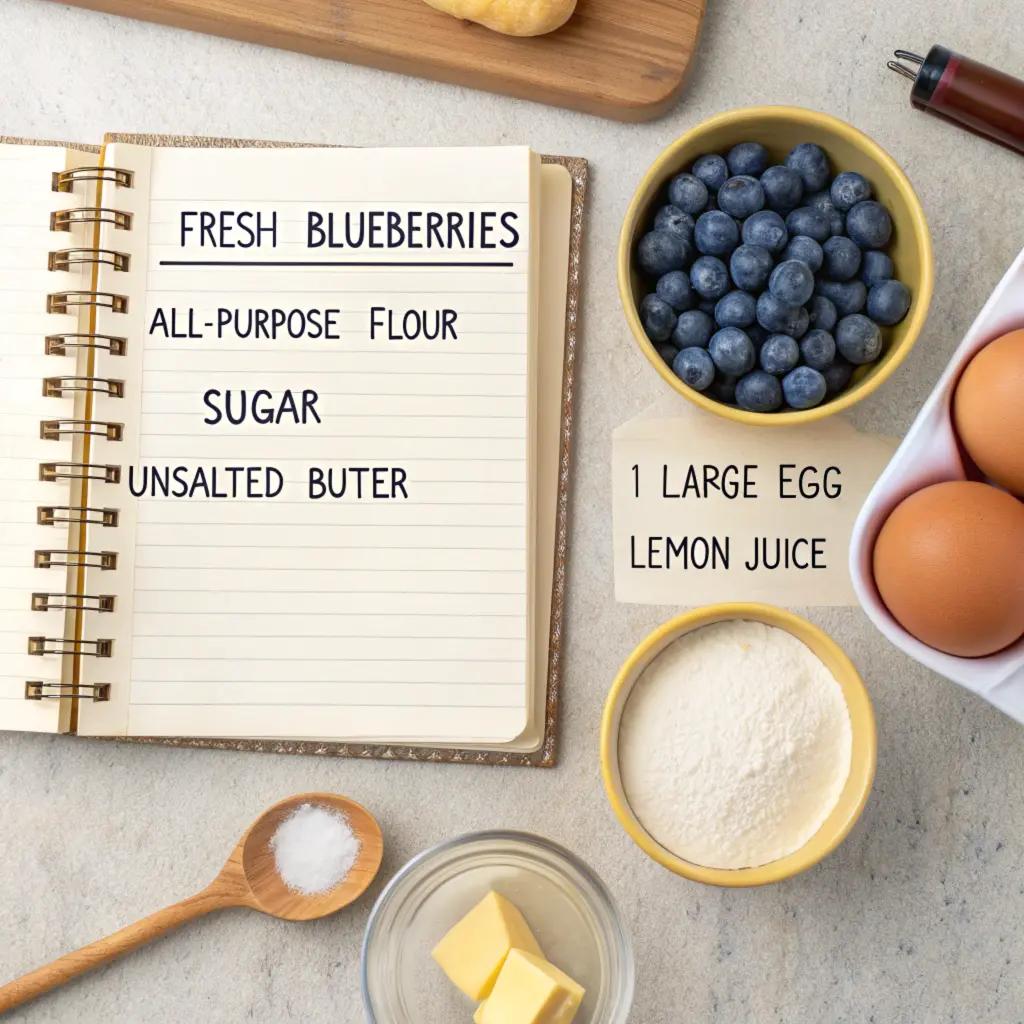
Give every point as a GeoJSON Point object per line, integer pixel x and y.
{"type": "Point", "coordinates": [511, 17]}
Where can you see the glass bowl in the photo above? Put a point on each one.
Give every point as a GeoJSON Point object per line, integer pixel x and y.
{"type": "Point", "coordinates": [567, 906]}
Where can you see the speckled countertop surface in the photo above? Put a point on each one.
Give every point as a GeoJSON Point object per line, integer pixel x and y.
{"type": "Point", "coordinates": [918, 918]}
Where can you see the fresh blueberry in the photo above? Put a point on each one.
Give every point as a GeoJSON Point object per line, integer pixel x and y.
{"type": "Point", "coordinates": [732, 351]}
{"type": "Point", "coordinates": [800, 323]}
{"type": "Point", "coordinates": [805, 220]}
{"type": "Point", "coordinates": [792, 283]}
{"type": "Point", "coordinates": [712, 170]}
{"type": "Point", "coordinates": [849, 189]}
{"type": "Point", "coordinates": [658, 318]}
{"type": "Point", "coordinates": [661, 251]}
{"type": "Point", "coordinates": [741, 196]}
{"type": "Point", "coordinates": [822, 313]}
{"type": "Point", "coordinates": [736, 309]}
{"type": "Point", "coordinates": [723, 388]}
{"type": "Point", "coordinates": [667, 352]}
{"type": "Point", "coordinates": [811, 163]}
{"type": "Point", "coordinates": [778, 318]}
{"type": "Point", "coordinates": [759, 392]}
{"type": "Point", "coordinates": [838, 375]}
{"type": "Point", "coordinates": [748, 158]}
{"type": "Point", "coordinates": [804, 387]}
{"type": "Point", "coordinates": [888, 303]}
{"type": "Point", "coordinates": [675, 289]}
{"type": "Point", "coordinates": [869, 225]}
{"type": "Point", "coordinates": [707, 307]}
{"type": "Point", "coordinates": [859, 339]}
{"type": "Point", "coordinates": [693, 329]}
{"type": "Point", "coordinates": [767, 230]}
{"type": "Point", "coordinates": [710, 277]}
{"type": "Point", "coordinates": [751, 267]}
{"type": "Point", "coordinates": [779, 354]}
{"type": "Point", "coordinates": [783, 188]}
{"type": "Point", "coordinates": [822, 202]}
{"type": "Point", "coordinates": [673, 220]}
{"type": "Point", "coordinates": [847, 296]}
{"type": "Point", "coordinates": [876, 268]}
{"type": "Point", "coordinates": [693, 366]}
{"type": "Point", "coordinates": [690, 194]}
{"type": "Point", "coordinates": [818, 349]}
{"type": "Point", "coordinates": [842, 259]}
{"type": "Point", "coordinates": [716, 233]}
{"type": "Point", "coordinates": [805, 250]}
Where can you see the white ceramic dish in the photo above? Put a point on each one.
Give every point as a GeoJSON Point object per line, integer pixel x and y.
{"type": "Point", "coordinates": [929, 454]}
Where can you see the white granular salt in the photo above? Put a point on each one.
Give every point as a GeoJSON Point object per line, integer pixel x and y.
{"type": "Point", "coordinates": [735, 745]}
{"type": "Point", "coordinates": [314, 849]}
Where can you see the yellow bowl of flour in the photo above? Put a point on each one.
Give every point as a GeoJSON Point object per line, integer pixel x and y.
{"type": "Point", "coordinates": [752, 755]}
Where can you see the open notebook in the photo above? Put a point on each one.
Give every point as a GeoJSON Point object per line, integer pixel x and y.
{"type": "Point", "coordinates": [284, 445]}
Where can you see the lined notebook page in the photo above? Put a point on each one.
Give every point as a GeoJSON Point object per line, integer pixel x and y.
{"type": "Point", "coordinates": [26, 202]}
{"type": "Point", "coordinates": [365, 575]}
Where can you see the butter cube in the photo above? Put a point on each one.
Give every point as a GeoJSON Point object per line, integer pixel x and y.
{"type": "Point", "coordinates": [529, 990]}
{"type": "Point", "coordinates": [473, 952]}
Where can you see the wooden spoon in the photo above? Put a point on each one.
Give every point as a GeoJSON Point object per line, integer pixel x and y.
{"type": "Point", "coordinates": [249, 879]}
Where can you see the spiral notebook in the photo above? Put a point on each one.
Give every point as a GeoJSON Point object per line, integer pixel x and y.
{"type": "Point", "coordinates": [284, 441]}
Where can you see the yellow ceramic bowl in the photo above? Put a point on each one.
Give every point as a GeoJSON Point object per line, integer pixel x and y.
{"type": "Point", "coordinates": [780, 129]}
{"type": "Point", "coordinates": [862, 766]}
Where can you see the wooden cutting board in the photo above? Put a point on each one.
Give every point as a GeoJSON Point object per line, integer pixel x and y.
{"type": "Point", "coordinates": [625, 59]}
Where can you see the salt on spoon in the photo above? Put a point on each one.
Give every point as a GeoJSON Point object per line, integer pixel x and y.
{"type": "Point", "coordinates": [314, 849]}
{"type": "Point", "coordinates": [250, 878]}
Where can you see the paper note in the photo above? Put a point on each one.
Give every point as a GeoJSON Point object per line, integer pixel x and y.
{"type": "Point", "coordinates": [707, 510]}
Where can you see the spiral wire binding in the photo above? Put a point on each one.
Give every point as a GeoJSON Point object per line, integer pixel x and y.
{"type": "Point", "coordinates": [65, 516]}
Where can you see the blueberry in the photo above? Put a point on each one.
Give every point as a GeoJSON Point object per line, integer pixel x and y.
{"type": "Point", "coordinates": [838, 375]}
{"type": "Point", "coordinates": [779, 354]}
{"type": "Point", "coordinates": [693, 366]}
{"type": "Point", "coordinates": [859, 339]}
{"type": "Point", "coordinates": [822, 202]}
{"type": "Point", "coordinates": [751, 267]}
{"type": "Point", "coordinates": [723, 388]}
{"type": "Point", "coordinates": [667, 352]}
{"type": "Point", "coordinates": [673, 220]}
{"type": "Point", "coordinates": [710, 277]}
{"type": "Point", "coordinates": [736, 309]}
{"type": "Point", "coordinates": [805, 250]}
{"type": "Point", "coordinates": [888, 303]}
{"type": "Point", "coordinates": [869, 225]}
{"type": "Point", "coordinates": [693, 329]}
{"type": "Point", "coordinates": [658, 318]}
{"type": "Point", "coordinates": [712, 170]}
{"type": "Point", "coordinates": [811, 163]}
{"type": "Point", "coordinates": [842, 259]}
{"type": "Point", "coordinates": [778, 318]}
{"type": "Point", "coordinates": [741, 196]}
{"type": "Point", "coordinates": [818, 349]}
{"type": "Point", "coordinates": [847, 296]}
{"type": "Point", "coordinates": [660, 251]}
{"type": "Point", "coordinates": [748, 158]}
{"type": "Point", "coordinates": [783, 188]}
{"type": "Point", "coordinates": [690, 194]}
{"type": "Point", "coordinates": [675, 289]}
{"type": "Point", "coordinates": [716, 233]}
{"type": "Point", "coordinates": [732, 351]}
{"type": "Point", "coordinates": [800, 323]}
{"type": "Point", "coordinates": [766, 229]}
{"type": "Point", "coordinates": [822, 313]}
{"type": "Point", "coordinates": [875, 268]}
{"type": "Point", "coordinates": [804, 387]}
{"type": "Point", "coordinates": [849, 189]}
{"type": "Point", "coordinates": [810, 222]}
{"type": "Point", "coordinates": [792, 283]}
{"type": "Point", "coordinates": [759, 392]}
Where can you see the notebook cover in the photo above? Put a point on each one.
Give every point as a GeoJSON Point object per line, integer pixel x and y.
{"type": "Point", "coordinates": [545, 755]}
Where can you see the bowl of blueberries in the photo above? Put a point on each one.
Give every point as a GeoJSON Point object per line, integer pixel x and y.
{"type": "Point", "coordinates": [775, 265]}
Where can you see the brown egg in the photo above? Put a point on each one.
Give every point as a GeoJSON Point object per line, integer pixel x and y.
{"type": "Point", "coordinates": [949, 565]}
{"type": "Point", "coordinates": [988, 411]}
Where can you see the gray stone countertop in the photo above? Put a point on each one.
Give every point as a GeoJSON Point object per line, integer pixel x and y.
{"type": "Point", "coordinates": [917, 918]}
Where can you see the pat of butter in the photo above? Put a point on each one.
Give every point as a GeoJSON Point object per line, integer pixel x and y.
{"type": "Point", "coordinates": [474, 951]}
{"type": "Point", "coordinates": [529, 990]}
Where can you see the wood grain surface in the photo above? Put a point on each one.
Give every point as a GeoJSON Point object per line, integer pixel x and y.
{"type": "Point", "coordinates": [624, 59]}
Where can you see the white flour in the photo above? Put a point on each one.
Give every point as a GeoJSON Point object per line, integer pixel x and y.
{"type": "Point", "coordinates": [734, 745]}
